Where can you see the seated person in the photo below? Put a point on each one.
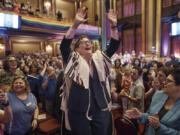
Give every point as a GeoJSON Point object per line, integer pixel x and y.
{"type": "Point", "coordinates": [37, 12]}
{"type": "Point", "coordinates": [23, 9]}
{"type": "Point", "coordinates": [59, 16]}
{"type": "Point", "coordinates": [30, 11]}
{"type": "Point", "coordinates": [8, 5]}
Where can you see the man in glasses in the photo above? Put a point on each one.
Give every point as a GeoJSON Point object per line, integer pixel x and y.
{"type": "Point", "coordinates": [87, 96]}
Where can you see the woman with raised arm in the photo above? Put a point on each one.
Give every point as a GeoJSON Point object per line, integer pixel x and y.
{"type": "Point", "coordinates": [87, 90]}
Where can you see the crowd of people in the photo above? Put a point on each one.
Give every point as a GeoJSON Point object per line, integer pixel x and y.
{"type": "Point", "coordinates": [148, 91]}
{"type": "Point", "coordinates": [30, 82]}
{"type": "Point", "coordinates": [27, 9]}
{"type": "Point", "coordinates": [9, 5]}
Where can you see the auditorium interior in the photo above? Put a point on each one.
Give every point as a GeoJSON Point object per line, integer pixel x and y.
{"type": "Point", "coordinates": [147, 29]}
{"type": "Point", "coordinates": [144, 25]}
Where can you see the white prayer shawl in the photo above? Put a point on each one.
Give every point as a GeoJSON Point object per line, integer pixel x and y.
{"type": "Point", "coordinates": [78, 70]}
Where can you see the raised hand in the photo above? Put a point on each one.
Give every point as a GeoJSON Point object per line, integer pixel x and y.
{"type": "Point", "coordinates": [154, 121]}
{"type": "Point", "coordinates": [133, 114]}
{"type": "Point", "coordinates": [80, 16]}
{"type": "Point", "coordinates": [112, 17]}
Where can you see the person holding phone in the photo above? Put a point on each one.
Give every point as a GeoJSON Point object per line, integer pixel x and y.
{"type": "Point", "coordinates": [87, 91]}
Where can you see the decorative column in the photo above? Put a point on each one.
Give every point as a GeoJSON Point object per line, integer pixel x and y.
{"type": "Point", "coordinates": [75, 6]}
{"type": "Point", "coordinates": [114, 5]}
{"type": "Point", "coordinates": [41, 3]}
{"type": "Point", "coordinates": [80, 3]}
{"type": "Point", "coordinates": [38, 3]}
{"type": "Point", "coordinates": [103, 24]}
{"type": "Point", "coordinates": [53, 4]}
{"type": "Point", "coordinates": [93, 12]}
{"type": "Point", "coordinates": [158, 26]}
{"type": "Point", "coordinates": [98, 12]}
{"type": "Point", "coordinates": [111, 4]}
{"type": "Point", "coordinates": [7, 46]}
{"type": "Point", "coordinates": [150, 26]}
{"type": "Point", "coordinates": [143, 22]}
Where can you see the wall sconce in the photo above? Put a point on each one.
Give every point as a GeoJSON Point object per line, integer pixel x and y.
{"type": "Point", "coordinates": [177, 55]}
{"type": "Point", "coordinates": [49, 48]}
{"type": "Point", "coordinates": [1, 47]}
{"type": "Point", "coordinates": [47, 5]}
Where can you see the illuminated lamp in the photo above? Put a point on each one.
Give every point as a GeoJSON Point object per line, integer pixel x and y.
{"type": "Point", "coordinates": [47, 5]}
{"type": "Point", "coordinates": [178, 14]}
{"type": "Point", "coordinates": [177, 55]}
{"type": "Point", "coordinates": [49, 48]}
{"type": "Point", "coordinates": [1, 47]}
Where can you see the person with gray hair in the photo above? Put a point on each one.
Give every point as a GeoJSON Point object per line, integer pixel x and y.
{"type": "Point", "coordinates": [87, 96]}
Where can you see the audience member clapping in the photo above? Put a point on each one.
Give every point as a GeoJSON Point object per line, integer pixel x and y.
{"type": "Point", "coordinates": [24, 108]}
{"type": "Point", "coordinates": [163, 115]}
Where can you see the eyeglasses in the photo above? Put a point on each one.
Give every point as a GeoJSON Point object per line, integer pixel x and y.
{"type": "Point", "coordinates": [133, 73]}
{"type": "Point", "coordinates": [169, 81]}
{"type": "Point", "coordinates": [85, 42]}
{"type": "Point", "coordinates": [12, 61]}
{"type": "Point", "coordinates": [16, 83]}
{"type": "Point", "coordinates": [161, 75]}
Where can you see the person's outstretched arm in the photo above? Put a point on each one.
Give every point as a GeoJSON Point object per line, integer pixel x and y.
{"type": "Point", "coordinates": [115, 42]}
{"type": "Point", "coordinates": [66, 42]}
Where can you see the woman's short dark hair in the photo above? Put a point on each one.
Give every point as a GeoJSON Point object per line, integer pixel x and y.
{"type": "Point", "coordinates": [165, 70]}
{"type": "Point", "coordinates": [27, 88]}
{"type": "Point", "coordinates": [138, 69]}
{"type": "Point", "coordinates": [33, 65]}
{"type": "Point", "coordinates": [176, 75]}
{"type": "Point", "coordinates": [5, 64]}
{"type": "Point", "coordinates": [77, 43]}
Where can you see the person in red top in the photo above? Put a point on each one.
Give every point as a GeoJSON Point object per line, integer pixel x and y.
{"type": "Point", "coordinates": [16, 7]}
